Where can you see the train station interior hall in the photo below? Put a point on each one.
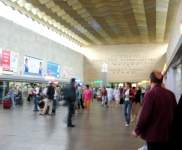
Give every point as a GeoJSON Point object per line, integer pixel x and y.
{"type": "Point", "coordinates": [100, 43]}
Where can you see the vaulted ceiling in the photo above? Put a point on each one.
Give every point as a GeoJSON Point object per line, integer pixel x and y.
{"type": "Point", "coordinates": [107, 22]}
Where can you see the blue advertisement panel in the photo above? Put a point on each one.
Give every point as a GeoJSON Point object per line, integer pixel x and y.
{"type": "Point", "coordinates": [53, 69]}
{"type": "Point", "coordinates": [32, 66]}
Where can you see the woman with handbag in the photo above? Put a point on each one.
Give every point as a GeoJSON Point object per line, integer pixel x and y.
{"type": "Point", "coordinates": [128, 95]}
{"type": "Point", "coordinates": [87, 95]}
{"type": "Point", "coordinates": [136, 104]}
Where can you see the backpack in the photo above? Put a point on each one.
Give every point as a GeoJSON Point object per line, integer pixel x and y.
{"type": "Point", "coordinates": [69, 93]}
{"type": "Point", "coordinates": [66, 93]}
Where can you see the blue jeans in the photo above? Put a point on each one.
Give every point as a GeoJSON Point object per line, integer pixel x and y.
{"type": "Point", "coordinates": [55, 101]}
{"type": "Point", "coordinates": [12, 101]}
{"type": "Point", "coordinates": [1, 97]}
{"type": "Point", "coordinates": [36, 98]}
{"type": "Point", "coordinates": [127, 110]}
{"type": "Point", "coordinates": [103, 100]}
{"type": "Point", "coordinates": [70, 105]}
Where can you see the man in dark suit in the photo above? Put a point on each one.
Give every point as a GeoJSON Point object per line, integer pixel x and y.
{"type": "Point", "coordinates": [70, 97]}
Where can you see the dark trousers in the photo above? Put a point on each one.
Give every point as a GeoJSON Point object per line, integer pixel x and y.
{"type": "Point", "coordinates": [143, 95]}
{"type": "Point", "coordinates": [29, 97]}
{"type": "Point", "coordinates": [158, 145]}
{"type": "Point", "coordinates": [81, 103]}
{"type": "Point", "coordinates": [70, 112]}
{"type": "Point", "coordinates": [55, 102]}
{"type": "Point", "coordinates": [36, 99]}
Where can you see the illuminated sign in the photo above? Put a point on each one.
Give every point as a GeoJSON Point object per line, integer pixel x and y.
{"type": "Point", "coordinates": [8, 72]}
{"type": "Point", "coordinates": [97, 81]}
{"type": "Point", "coordinates": [48, 77]}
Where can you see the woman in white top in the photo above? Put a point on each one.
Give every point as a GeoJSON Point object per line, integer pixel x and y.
{"type": "Point", "coordinates": [110, 92]}
{"type": "Point", "coordinates": [30, 90]}
{"type": "Point", "coordinates": [117, 96]}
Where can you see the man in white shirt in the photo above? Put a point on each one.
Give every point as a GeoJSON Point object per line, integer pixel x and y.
{"type": "Point", "coordinates": [110, 92]}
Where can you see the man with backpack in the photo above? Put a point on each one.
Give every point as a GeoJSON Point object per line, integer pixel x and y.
{"type": "Point", "coordinates": [70, 97]}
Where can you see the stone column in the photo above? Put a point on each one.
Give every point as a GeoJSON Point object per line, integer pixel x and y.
{"type": "Point", "coordinates": [104, 74]}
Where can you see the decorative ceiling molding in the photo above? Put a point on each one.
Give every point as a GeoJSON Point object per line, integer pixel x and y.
{"type": "Point", "coordinates": [103, 22]}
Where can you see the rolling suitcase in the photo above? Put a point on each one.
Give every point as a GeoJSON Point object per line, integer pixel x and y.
{"type": "Point", "coordinates": [99, 98]}
{"type": "Point", "coordinates": [7, 102]}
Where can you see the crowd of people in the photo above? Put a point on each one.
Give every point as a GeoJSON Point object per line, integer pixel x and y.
{"type": "Point", "coordinates": [158, 122]}
{"type": "Point", "coordinates": [155, 122]}
{"type": "Point", "coordinates": [131, 97]}
{"type": "Point", "coordinates": [15, 94]}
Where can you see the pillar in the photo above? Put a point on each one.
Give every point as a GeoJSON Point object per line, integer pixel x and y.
{"type": "Point", "coordinates": [104, 74]}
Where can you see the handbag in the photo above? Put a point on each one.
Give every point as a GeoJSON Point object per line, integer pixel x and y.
{"type": "Point", "coordinates": [32, 93]}
{"type": "Point", "coordinates": [121, 100]}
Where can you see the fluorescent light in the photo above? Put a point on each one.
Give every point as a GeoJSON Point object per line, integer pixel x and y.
{"type": "Point", "coordinates": [7, 72]}
{"type": "Point", "coordinates": [48, 77]}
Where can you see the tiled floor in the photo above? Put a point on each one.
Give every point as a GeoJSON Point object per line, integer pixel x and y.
{"type": "Point", "coordinates": [102, 129]}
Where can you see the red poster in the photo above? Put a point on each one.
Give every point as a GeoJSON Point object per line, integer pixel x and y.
{"type": "Point", "coordinates": [5, 60]}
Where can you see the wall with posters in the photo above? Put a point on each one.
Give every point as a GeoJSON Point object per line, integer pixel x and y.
{"type": "Point", "coordinates": [29, 44]}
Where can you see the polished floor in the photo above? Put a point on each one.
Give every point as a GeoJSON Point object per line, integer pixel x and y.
{"type": "Point", "coordinates": [102, 129]}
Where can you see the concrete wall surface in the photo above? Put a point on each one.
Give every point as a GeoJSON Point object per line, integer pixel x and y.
{"type": "Point", "coordinates": [26, 42]}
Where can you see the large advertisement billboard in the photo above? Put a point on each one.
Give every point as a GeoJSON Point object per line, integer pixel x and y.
{"type": "Point", "coordinates": [32, 66]}
{"type": "Point", "coordinates": [8, 60]}
{"type": "Point", "coordinates": [53, 69]}
{"type": "Point", "coordinates": [67, 72]}
{"type": "Point", "coordinates": [14, 61]}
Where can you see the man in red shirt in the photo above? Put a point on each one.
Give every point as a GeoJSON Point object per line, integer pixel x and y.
{"type": "Point", "coordinates": [155, 121]}
{"type": "Point", "coordinates": [104, 95]}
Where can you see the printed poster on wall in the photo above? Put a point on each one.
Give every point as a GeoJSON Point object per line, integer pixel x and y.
{"type": "Point", "coordinates": [8, 60]}
{"type": "Point", "coordinates": [67, 72]}
{"type": "Point", "coordinates": [5, 60]}
{"type": "Point", "coordinates": [0, 57]}
{"type": "Point", "coordinates": [53, 69]}
{"type": "Point", "coordinates": [14, 61]}
{"type": "Point", "coordinates": [32, 66]}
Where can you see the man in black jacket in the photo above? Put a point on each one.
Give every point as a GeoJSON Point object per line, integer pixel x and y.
{"type": "Point", "coordinates": [70, 97]}
{"type": "Point", "coordinates": [50, 96]}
